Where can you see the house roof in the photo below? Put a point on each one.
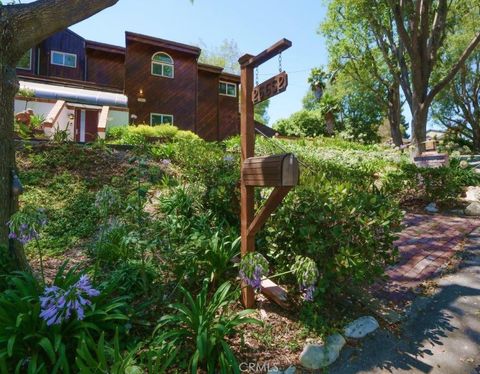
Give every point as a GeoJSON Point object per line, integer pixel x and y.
{"type": "Point", "coordinates": [75, 95]}
{"type": "Point", "coordinates": [162, 43]}
{"type": "Point", "coordinates": [210, 68]}
{"type": "Point", "coordinates": [110, 48]}
{"type": "Point", "coordinates": [230, 77]}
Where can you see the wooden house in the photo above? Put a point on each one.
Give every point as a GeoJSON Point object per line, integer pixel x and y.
{"type": "Point", "coordinates": [83, 87]}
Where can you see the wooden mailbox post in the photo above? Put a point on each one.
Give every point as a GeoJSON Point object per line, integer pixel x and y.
{"type": "Point", "coordinates": [279, 171]}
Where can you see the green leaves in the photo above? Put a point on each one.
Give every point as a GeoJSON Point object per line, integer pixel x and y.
{"type": "Point", "coordinates": [200, 326]}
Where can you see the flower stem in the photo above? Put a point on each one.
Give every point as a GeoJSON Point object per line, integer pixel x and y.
{"type": "Point", "coordinates": [40, 253]}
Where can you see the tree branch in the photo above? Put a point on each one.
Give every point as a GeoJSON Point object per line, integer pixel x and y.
{"type": "Point", "coordinates": [445, 81]}
{"type": "Point", "coordinates": [36, 21]}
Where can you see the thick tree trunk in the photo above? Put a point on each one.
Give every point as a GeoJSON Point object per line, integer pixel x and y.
{"type": "Point", "coordinates": [476, 137]}
{"type": "Point", "coordinates": [395, 114]}
{"type": "Point", "coordinates": [8, 202]}
{"type": "Point", "coordinates": [419, 127]}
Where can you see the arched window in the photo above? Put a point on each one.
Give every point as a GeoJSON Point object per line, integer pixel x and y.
{"type": "Point", "coordinates": [162, 65]}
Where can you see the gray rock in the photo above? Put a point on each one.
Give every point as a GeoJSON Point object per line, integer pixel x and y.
{"type": "Point", "coordinates": [316, 356]}
{"type": "Point", "coordinates": [290, 370]}
{"type": "Point", "coordinates": [361, 327]}
{"type": "Point", "coordinates": [431, 208]}
{"type": "Point", "coordinates": [472, 194]}
{"type": "Point", "coordinates": [473, 209]}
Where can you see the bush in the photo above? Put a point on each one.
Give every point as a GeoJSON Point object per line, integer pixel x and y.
{"type": "Point", "coordinates": [116, 132]}
{"type": "Point", "coordinates": [303, 123]}
{"type": "Point", "coordinates": [140, 134]}
{"type": "Point", "coordinates": [347, 231]}
{"type": "Point", "coordinates": [441, 185]}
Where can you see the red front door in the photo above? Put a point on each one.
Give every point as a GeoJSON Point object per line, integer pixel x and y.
{"type": "Point", "coordinates": [86, 125]}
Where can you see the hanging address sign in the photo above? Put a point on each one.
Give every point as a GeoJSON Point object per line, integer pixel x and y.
{"type": "Point", "coordinates": [270, 88]}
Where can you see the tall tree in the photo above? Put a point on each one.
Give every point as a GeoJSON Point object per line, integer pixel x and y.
{"type": "Point", "coordinates": [353, 51]}
{"type": "Point", "coordinates": [457, 108]}
{"type": "Point", "coordinates": [22, 26]}
{"type": "Point", "coordinates": [415, 32]}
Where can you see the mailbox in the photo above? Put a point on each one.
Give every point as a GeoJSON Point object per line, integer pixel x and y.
{"type": "Point", "coordinates": [271, 171]}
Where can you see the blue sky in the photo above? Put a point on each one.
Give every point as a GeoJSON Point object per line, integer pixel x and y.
{"type": "Point", "coordinates": [254, 25]}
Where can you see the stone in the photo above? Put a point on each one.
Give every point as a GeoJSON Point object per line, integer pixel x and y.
{"type": "Point", "coordinates": [290, 370]}
{"type": "Point", "coordinates": [473, 209]}
{"type": "Point", "coordinates": [472, 194]}
{"type": "Point", "coordinates": [361, 327]}
{"type": "Point", "coordinates": [316, 356]}
{"type": "Point", "coordinates": [431, 208]}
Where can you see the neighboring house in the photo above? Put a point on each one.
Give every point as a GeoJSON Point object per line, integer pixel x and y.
{"type": "Point", "coordinates": [84, 87]}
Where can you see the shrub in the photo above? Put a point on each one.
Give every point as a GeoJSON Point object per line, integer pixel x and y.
{"type": "Point", "coordinates": [441, 185]}
{"type": "Point", "coordinates": [347, 231]}
{"type": "Point", "coordinates": [302, 123]}
{"type": "Point", "coordinates": [116, 132]}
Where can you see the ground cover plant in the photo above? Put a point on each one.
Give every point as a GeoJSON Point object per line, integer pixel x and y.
{"type": "Point", "coordinates": [156, 227]}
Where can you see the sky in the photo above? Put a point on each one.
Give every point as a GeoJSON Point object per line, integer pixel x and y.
{"type": "Point", "coordinates": [253, 24]}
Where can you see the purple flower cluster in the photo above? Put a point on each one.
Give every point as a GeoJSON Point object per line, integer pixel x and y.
{"type": "Point", "coordinates": [166, 162]}
{"type": "Point", "coordinates": [308, 292]}
{"type": "Point", "coordinates": [24, 225]}
{"type": "Point", "coordinates": [24, 234]}
{"type": "Point", "coordinates": [58, 305]}
{"type": "Point", "coordinates": [252, 269]}
{"type": "Point", "coordinates": [255, 281]}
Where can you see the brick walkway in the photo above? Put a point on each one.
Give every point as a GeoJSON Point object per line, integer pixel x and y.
{"type": "Point", "coordinates": [425, 245]}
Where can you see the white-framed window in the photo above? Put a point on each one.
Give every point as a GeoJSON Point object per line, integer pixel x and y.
{"type": "Point", "coordinates": [160, 119]}
{"type": "Point", "coordinates": [163, 65]}
{"type": "Point", "coordinates": [63, 59]}
{"type": "Point", "coordinates": [25, 62]}
{"type": "Point", "coordinates": [227, 89]}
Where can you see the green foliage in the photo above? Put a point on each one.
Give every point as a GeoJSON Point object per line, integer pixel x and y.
{"type": "Point", "coordinates": [101, 357]}
{"type": "Point", "coordinates": [142, 134]}
{"type": "Point", "coordinates": [348, 231]}
{"type": "Point", "coordinates": [302, 123]}
{"type": "Point", "coordinates": [27, 344]}
{"type": "Point", "coordinates": [441, 185]}
{"type": "Point", "coordinates": [198, 330]}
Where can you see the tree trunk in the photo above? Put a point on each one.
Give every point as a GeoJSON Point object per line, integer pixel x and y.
{"type": "Point", "coordinates": [476, 137]}
{"type": "Point", "coordinates": [395, 114]}
{"type": "Point", "coordinates": [330, 122]}
{"type": "Point", "coordinates": [8, 202]}
{"type": "Point", "coordinates": [419, 127]}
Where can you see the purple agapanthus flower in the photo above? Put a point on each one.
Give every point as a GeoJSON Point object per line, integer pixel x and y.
{"type": "Point", "coordinates": [24, 233]}
{"type": "Point", "coordinates": [25, 225]}
{"type": "Point", "coordinates": [308, 292]}
{"type": "Point", "coordinates": [253, 267]}
{"type": "Point", "coordinates": [256, 280]}
{"type": "Point", "coordinates": [58, 305]}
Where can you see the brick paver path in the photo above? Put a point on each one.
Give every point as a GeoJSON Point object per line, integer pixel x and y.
{"type": "Point", "coordinates": [425, 245]}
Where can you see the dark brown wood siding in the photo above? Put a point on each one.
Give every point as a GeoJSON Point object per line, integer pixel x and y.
{"type": "Point", "coordinates": [229, 114]}
{"type": "Point", "coordinates": [107, 69]}
{"type": "Point", "coordinates": [177, 96]}
{"type": "Point", "coordinates": [65, 41]}
{"type": "Point", "coordinates": [207, 125]}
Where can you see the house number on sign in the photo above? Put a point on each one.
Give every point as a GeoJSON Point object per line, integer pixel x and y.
{"type": "Point", "coordinates": [270, 88]}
